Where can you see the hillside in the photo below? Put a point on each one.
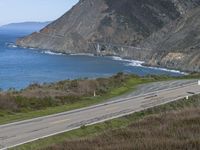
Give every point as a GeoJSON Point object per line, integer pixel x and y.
{"type": "Point", "coordinates": [34, 26]}
{"type": "Point", "coordinates": [177, 44]}
{"type": "Point", "coordinates": [155, 26]}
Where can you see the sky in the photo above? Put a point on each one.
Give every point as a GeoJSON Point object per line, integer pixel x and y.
{"type": "Point", "coordinates": [14, 11]}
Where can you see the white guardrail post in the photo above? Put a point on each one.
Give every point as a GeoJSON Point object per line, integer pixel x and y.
{"type": "Point", "coordinates": [198, 82]}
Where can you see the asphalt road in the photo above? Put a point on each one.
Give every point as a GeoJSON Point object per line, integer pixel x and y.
{"type": "Point", "coordinates": [26, 131]}
{"type": "Point", "coordinates": [155, 86]}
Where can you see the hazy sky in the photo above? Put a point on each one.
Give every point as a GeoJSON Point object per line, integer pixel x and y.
{"type": "Point", "coordinates": [33, 10]}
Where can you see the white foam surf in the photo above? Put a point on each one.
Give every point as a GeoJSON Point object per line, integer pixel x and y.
{"type": "Point", "coordinates": [51, 53]}
{"type": "Point", "coordinates": [82, 54]}
{"type": "Point", "coordinates": [129, 61]}
{"type": "Point", "coordinates": [11, 45]}
{"type": "Point", "coordinates": [136, 63]}
{"type": "Point", "coordinates": [169, 70]}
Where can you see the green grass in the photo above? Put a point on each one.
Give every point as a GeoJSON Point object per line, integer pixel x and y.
{"type": "Point", "coordinates": [98, 129]}
{"type": "Point", "coordinates": [128, 86]}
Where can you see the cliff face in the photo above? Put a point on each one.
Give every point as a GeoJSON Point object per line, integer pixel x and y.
{"type": "Point", "coordinates": [157, 26]}
{"type": "Point", "coordinates": [177, 45]}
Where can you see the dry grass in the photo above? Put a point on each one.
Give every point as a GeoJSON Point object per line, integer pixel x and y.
{"type": "Point", "coordinates": [179, 130]}
{"type": "Point", "coordinates": [46, 99]}
{"type": "Point", "coordinates": [171, 126]}
{"type": "Point", "coordinates": [81, 87]}
{"type": "Point", "coordinates": [36, 97]}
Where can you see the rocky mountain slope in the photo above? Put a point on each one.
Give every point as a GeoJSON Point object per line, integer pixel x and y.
{"type": "Point", "coordinates": [166, 31]}
{"type": "Point", "coordinates": [178, 43]}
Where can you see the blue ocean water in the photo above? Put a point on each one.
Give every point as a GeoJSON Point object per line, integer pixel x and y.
{"type": "Point", "coordinates": [20, 67]}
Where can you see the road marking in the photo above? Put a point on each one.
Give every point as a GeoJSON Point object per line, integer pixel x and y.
{"type": "Point", "coordinates": [191, 93]}
{"type": "Point", "coordinates": [152, 96]}
{"type": "Point", "coordinates": [60, 121]}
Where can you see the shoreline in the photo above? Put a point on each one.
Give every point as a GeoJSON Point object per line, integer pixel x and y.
{"type": "Point", "coordinates": [134, 63]}
{"type": "Point", "coordinates": [122, 61]}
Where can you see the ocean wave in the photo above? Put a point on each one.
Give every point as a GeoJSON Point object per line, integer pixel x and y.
{"type": "Point", "coordinates": [11, 45]}
{"type": "Point", "coordinates": [51, 53]}
{"type": "Point", "coordinates": [169, 70]}
{"type": "Point", "coordinates": [129, 62]}
{"type": "Point", "coordinates": [117, 58]}
{"type": "Point", "coordinates": [136, 63]}
{"type": "Point", "coordinates": [82, 54]}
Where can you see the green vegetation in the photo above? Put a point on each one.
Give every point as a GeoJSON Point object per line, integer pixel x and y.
{"type": "Point", "coordinates": [40, 100]}
{"type": "Point", "coordinates": [170, 126]}
{"type": "Point", "coordinates": [46, 99]}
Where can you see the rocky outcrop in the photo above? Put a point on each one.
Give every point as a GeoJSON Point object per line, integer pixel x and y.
{"type": "Point", "coordinates": [160, 32]}
{"type": "Point", "coordinates": [177, 45]}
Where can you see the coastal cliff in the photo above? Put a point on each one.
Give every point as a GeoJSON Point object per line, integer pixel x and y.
{"type": "Point", "coordinates": [160, 32]}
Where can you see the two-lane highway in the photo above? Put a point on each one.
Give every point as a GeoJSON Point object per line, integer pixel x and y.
{"type": "Point", "coordinates": [25, 131]}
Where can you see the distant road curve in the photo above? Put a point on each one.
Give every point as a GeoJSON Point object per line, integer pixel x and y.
{"type": "Point", "coordinates": [22, 132]}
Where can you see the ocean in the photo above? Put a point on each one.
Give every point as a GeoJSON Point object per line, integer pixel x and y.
{"type": "Point", "coordinates": [20, 67]}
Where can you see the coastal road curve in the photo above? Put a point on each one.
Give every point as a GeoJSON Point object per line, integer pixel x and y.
{"type": "Point", "coordinates": [22, 132]}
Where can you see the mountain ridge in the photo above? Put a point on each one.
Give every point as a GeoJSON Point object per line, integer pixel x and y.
{"type": "Point", "coordinates": [126, 22]}
{"type": "Point", "coordinates": [25, 25]}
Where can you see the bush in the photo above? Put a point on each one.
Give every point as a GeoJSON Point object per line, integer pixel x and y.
{"type": "Point", "coordinates": [8, 103]}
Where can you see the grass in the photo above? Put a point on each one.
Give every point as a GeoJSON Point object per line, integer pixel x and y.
{"type": "Point", "coordinates": [171, 126]}
{"type": "Point", "coordinates": [109, 88]}
{"type": "Point", "coordinates": [8, 116]}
